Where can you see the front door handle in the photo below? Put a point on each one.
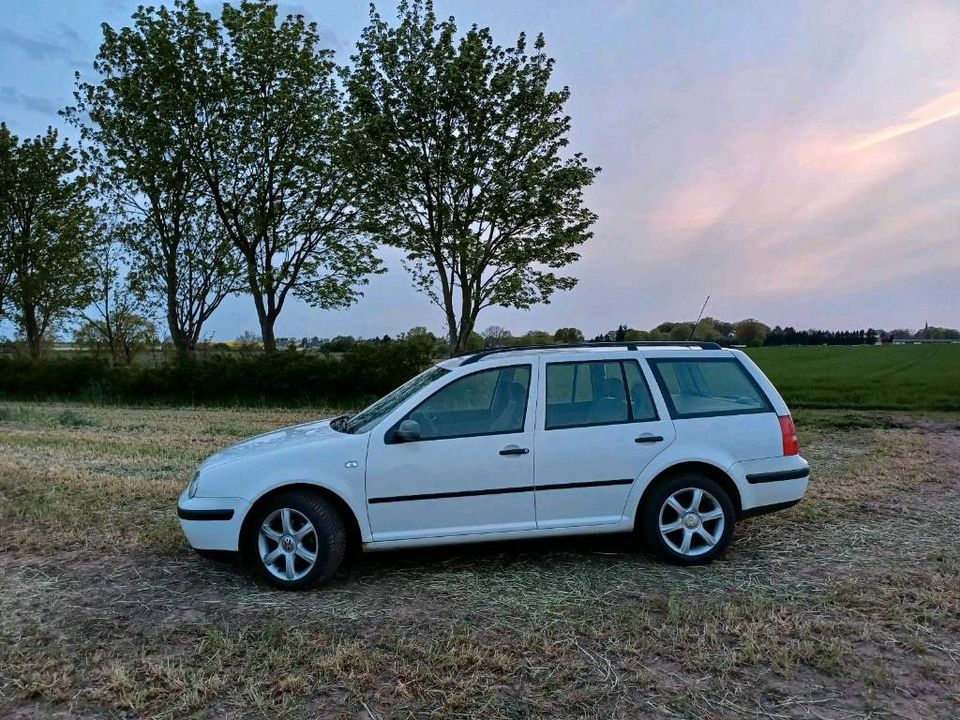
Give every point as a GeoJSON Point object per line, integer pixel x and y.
{"type": "Point", "coordinates": [648, 438]}
{"type": "Point", "coordinates": [514, 450]}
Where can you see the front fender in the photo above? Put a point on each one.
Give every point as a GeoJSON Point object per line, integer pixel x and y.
{"type": "Point", "coordinates": [355, 505]}
{"type": "Point", "coordinates": [338, 469]}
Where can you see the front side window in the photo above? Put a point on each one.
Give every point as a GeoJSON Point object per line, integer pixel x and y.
{"type": "Point", "coordinates": [708, 386]}
{"type": "Point", "coordinates": [366, 419]}
{"type": "Point", "coordinates": [488, 402]}
{"type": "Point", "coordinates": [596, 393]}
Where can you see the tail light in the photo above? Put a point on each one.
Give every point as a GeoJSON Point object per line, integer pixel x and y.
{"type": "Point", "coordinates": [791, 446]}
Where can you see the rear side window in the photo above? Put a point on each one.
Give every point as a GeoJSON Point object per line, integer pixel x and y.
{"type": "Point", "coordinates": [707, 387]}
{"type": "Point", "coordinates": [596, 393]}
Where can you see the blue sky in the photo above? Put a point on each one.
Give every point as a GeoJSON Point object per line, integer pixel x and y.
{"type": "Point", "coordinates": [798, 161]}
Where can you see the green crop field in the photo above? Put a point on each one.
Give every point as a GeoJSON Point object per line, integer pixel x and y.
{"type": "Point", "coordinates": [905, 377]}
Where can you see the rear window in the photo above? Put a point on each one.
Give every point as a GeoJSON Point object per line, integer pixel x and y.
{"type": "Point", "coordinates": [707, 387]}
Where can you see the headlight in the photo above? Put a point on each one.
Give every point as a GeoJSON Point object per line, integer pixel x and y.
{"type": "Point", "coordinates": [194, 484]}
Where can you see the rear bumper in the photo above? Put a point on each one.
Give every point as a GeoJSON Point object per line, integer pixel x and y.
{"type": "Point", "coordinates": [212, 523]}
{"type": "Point", "coordinates": [770, 484]}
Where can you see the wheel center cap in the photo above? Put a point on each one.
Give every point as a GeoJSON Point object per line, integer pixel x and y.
{"type": "Point", "coordinates": [287, 543]}
{"type": "Point", "coordinates": [691, 521]}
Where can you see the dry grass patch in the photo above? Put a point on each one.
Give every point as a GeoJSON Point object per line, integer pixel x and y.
{"type": "Point", "coordinates": [844, 606]}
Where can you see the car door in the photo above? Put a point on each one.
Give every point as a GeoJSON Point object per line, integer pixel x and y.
{"type": "Point", "coordinates": [471, 469]}
{"type": "Point", "coordinates": [598, 427]}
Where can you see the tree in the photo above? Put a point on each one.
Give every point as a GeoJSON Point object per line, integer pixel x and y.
{"type": "Point", "coordinates": [636, 335]}
{"type": "Point", "coordinates": [706, 329]}
{"type": "Point", "coordinates": [138, 120]}
{"type": "Point", "coordinates": [751, 332]}
{"type": "Point", "coordinates": [464, 141]}
{"type": "Point", "coordinates": [118, 318]}
{"type": "Point", "coordinates": [568, 335]}
{"type": "Point", "coordinates": [8, 172]}
{"type": "Point", "coordinates": [273, 155]}
{"type": "Point", "coordinates": [47, 224]}
{"type": "Point", "coordinates": [496, 336]}
{"type": "Point", "coordinates": [535, 337]}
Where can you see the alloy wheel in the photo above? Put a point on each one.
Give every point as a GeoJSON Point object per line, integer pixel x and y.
{"type": "Point", "coordinates": [288, 544]}
{"type": "Point", "coordinates": [691, 521]}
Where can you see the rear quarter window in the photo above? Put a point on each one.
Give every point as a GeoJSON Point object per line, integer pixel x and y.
{"type": "Point", "coordinates": [706, 387]}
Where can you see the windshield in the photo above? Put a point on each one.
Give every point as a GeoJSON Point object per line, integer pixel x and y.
{"type": "Point", "coordinates": [367, 418]}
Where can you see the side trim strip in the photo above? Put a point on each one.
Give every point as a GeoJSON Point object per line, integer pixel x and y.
{"type": "Point", "coordinates": [497, 491]}
{"type": "Point", "coordinates": [755, 478]}
{"type": "Point", "coordinates": [597, 483]}
{"type": "Point", "coordinates": [204, 514]}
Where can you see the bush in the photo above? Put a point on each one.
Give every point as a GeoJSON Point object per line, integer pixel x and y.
{"type": "Point", "coordinates": [363, 372]}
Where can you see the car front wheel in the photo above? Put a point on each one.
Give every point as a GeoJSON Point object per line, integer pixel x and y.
{"type": "Point", "coordinates": [297, 541]}
{"type": "Point", "coordinates": [688, 519]}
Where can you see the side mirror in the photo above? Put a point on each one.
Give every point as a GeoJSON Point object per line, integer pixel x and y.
{"type": "Point", "coordinates": [409, 431]}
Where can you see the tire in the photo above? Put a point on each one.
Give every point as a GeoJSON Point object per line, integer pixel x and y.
{"type": "Point", "coordinates": [662, 509]}
{"type": "Point", "coordinates": [280, 531]}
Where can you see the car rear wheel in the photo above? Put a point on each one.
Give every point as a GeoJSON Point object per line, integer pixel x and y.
{"type": "Point", "coordinates": [688, 519]}
{"type": "Point", "coordinates": [297, 541]}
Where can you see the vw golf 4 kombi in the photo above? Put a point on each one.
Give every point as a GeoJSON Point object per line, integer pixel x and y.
{"type": "Point", "coordinates": [674, 441]}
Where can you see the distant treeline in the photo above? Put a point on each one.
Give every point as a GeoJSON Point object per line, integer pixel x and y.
{"type": "Point", "coordinates": [749, 332]}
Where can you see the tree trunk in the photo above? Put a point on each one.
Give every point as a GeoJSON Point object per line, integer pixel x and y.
{"type": "Point", "coordinates": [266, 333]}
{"type": "Point", "coordinates": [32, 330]}
{"type": "Point", "coordinates": [181, 340]}
{"type": "Point", "coordinates": [461, 338]}
{"type": "Point", "coordinates": [453, 339]}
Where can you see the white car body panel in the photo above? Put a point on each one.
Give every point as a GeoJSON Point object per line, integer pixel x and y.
{"type": "Point", "coordinates": [602, 453]}
{"type": "Point", "coordinates": [441, 467]}
{"type": "Point", "coordinates": [524, 502]}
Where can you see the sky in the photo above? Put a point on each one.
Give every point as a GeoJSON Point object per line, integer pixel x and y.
{"type": "Point", "coordinates": [797, 161]}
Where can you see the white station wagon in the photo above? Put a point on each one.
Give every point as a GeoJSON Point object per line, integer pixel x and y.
{"type": "Point", "coordinates": [676, 441]}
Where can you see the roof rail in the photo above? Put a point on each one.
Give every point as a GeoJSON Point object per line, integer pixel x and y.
{"type": "Point", "coordinates": [631, 345]}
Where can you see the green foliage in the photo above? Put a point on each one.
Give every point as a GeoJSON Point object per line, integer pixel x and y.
{"type": "Point", "coordinates": [534, 337]}
{"type": "Point", "coordinates": [138, 120]}
{"type": "Point", "coordinates": [272, 152]}
{"type": "Point", "coordinates": [364, 371]}
{"type": "Point", "coordinates": [47, 238]}
{"type": "Point", "coordinates": [751, 333]}
{"type": "Point", "coordinates": [464, 143]}
{"type": "Point", "coordinates": [568, 335]}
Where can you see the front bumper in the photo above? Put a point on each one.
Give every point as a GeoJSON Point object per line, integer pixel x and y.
{"type": "Point", "coordinates": [212, 523]}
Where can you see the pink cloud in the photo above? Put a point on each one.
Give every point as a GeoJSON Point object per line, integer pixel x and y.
{"type": "Point", "coordinates": [945, 107]}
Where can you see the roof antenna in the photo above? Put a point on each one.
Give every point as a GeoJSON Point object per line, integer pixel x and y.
{"type": "Point", "coordinates": [697, 324]}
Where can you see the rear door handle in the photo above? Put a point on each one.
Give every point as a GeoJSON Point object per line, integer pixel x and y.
{"type": "Point", "coordinates": [514, 450]}
{"type": "Point", "coordinates": [648, 438]}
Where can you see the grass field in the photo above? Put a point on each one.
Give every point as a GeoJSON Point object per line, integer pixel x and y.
{"type": "Point", "coordinates": [846, 606]}
{"type": "Point", "coordinates": [890, 377]}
